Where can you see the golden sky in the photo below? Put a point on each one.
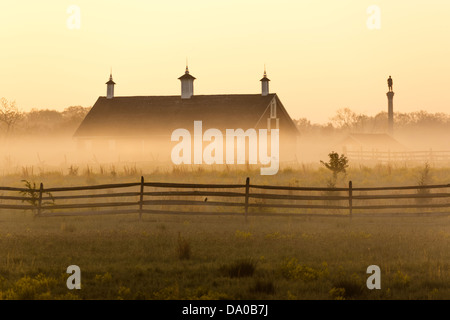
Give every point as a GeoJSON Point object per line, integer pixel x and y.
{"type": "Point", "coordinates": [320, 54]}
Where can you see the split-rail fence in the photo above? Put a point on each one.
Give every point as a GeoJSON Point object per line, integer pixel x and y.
{"type": "Point", "coordinates": [237, 199]}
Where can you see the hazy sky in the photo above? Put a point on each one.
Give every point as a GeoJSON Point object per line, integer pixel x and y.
{"type": "Point", "coordinates": [320, 54]}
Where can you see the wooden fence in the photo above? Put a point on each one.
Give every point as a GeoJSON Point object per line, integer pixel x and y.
{"type": "Point", "coordinates": [236, 199]}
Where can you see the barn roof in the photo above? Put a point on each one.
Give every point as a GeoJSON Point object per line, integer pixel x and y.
{"type": "Point", "coordinates": [160, 115]}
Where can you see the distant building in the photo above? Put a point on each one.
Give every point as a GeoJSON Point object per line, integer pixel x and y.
{"type": "Point", "coordinates": [371, 142]}
{"type": "Point", "coordinates": [371, 146]}
{"type": "Point", "coordinates": [144, 124]}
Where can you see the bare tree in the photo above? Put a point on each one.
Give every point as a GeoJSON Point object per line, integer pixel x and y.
{"type": "Point", "coordinates": [9, 114]}
{"type": "Point", "coordinates": [345, 118]}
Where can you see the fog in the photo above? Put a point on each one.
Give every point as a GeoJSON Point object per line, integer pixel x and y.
{"type": "Point", "coordinates": [314, 147]}
{"type": "Point", "coordinates": [39, 154]}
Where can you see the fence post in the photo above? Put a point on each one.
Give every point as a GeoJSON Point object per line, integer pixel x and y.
{"type": "Point", "coordinates": [141, 198]}
{"type": "Point", "coordinates": [350, 198]}
{"type": "Point", "coordinates": [41, 189]}
{"type": "Point", "coordinates": [247, 191]}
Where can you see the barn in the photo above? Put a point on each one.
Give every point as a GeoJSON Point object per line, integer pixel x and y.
{"type": "Point", "coordinates": [141, 126]}
{"type": "Point", "coordinates": [370, 142]}
{"type": "Point", "coordinates": [372, 147]}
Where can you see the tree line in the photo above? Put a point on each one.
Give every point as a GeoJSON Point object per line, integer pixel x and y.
{"type": "Point", "coordinates": [345, 121]}
{"type": "Point", "coordinates": [14, 122]}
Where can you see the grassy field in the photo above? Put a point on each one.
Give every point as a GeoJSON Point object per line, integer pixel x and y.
{"type": "Point", "coordinates": [218, 257]}
{"type": "Point", "coordinates": [223, 257]}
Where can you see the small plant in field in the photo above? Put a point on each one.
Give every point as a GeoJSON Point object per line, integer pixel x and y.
{"type": "Point", "coordinates": [168, 293]}
{"type": "Point", "coordinates": [293, 270]}
{"type": "Point", "coordinates": [202, 293]}
{"type": "Point", "coordinates": [103, 278]}
{"type": "Point", "coordinates": [27, 171]}
{"type": "Point", "coordinates": [425, 175]}
{"type": "Point", "coordinates": [401, 279]}
{"type": "Point", "coordinates": [243, 235]}
{"type": "Point", "coordinates": [67, 228]}
{"type": "Point", "coordinates": [113, 171]}
{"type": "Point", "coordinates": [161, 227]}
{"type": "Point", "coordinates": [130, 171]}
{"type": "Point", "coordinates": [179, 170]}
{"type": "Point", "coordinates": [88, 172]}
{"type": "Point", "coordinates": [337, 293]}
{"type": "Point", "coordinates": [263, 286]}
{"type": "Point", "coordinates": [123, 293]}
{"type": "Point", "coordinates": [347, 289]}
{"type": "Point", "coordinates": [73, 171]}
{"type": "Point", "coordinates": [183, 248]}
{"type": "Point", "coordinates": [32, 193]}
{"type": "Point", "coordinates": [336, 164]}
{"type": "Point", "coordinates": [239, 269]}
{"type": "Point", "coordinates": [423, 180]}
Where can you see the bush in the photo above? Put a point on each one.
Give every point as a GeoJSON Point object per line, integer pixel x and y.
{"type": "Point", "coordinates": [337, 164]}
{"type": "Point", "coordinates": [346, 289]}
{"type": "Point", "coordinates": [293, 270]}
{"type": "Point", "coordinates": [263, 286]}
{"type": "Point", "coordinates": [240, 268]}
{"type": "Point", "coordinates": [423, 180]}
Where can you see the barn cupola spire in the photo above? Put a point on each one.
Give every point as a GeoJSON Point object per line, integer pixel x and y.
{"type": "Point", "coordinates": [187, 84]}
{"type": "Point", "coordinates": [110, 87]}
{"type": "Point", "coordinates": [265, 84]}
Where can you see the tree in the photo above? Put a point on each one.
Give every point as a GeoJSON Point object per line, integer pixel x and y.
{"type": "Point", "coordinates": [73, 116]}
{"type": "Point", "coordinates": [345, 118]}
{"type": "Point", "coordinates": [54, 122]}
{"type": "Point", "coordinates": [9, 114]}
{"type": "Point", "coordinates": [303, 125]}
{"type": "Point", "coordinates": [75, 113]}
{"type": "Point", "coordinates": [337, 164]}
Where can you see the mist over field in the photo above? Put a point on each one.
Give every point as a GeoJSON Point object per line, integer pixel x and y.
{"type": "Point", "coordinates": [42, 140]}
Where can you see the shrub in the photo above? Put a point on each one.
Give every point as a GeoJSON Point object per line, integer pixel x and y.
{"type": "Point", "coordinates": [27, 288]}
{"type": "Point", "coordinates": [263, 286]}
{"type": "Point", "coordinates": [337, 293]}
{"type": "Point", "coordinates": [401, 280]}
{"type": "Point", "coordinates": [32, 192]}
{"type": "Point", "coordinates": [336, 164]}
{"type": "Point", "coordinates": [243, 235]}
{"type": "Point", "coordinates": [240, 268]}
{"type": "Point", "coordinates": [73, 171]}
{"type": "Point", "coordinates": [293, 270]}
{"type": "Point", "coordinates": [346, 289]}
{"type": "Point", "coordinates": [423, 180]}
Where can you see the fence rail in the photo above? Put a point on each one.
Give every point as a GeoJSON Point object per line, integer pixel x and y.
{"type": "Point", "coordinates": [393, 156]}
{"type": "Point", "coordinates": [226, 199]}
